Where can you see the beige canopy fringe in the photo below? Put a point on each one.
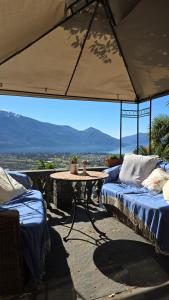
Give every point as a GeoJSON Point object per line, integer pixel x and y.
{"type": "Point", "coordinates": [112, 50]}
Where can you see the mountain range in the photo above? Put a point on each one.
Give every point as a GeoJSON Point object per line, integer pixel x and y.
{"type": "Point", "coordinates": [23, 134]}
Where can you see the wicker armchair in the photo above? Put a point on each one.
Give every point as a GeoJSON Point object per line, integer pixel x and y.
{"type": "Point", "coordinates": [11, 270]}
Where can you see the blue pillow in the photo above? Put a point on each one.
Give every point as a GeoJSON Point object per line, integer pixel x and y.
{"type": "Point", "coordinates": [113, 173]}
{"type": "Point", "coordinates": [164, 165]}
{"type": "Point", "coordinates": [21, 178]}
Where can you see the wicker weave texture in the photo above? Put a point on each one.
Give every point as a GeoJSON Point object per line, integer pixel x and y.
{"type": "Point", "coordinates": [11, 275]}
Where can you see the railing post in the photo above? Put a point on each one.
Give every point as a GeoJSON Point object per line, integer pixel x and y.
{"type": "Point", "coordinates": [120, 129]}
{"type": "Point", "coordinates": [150, 128]}
{"type": "Point", "coordinates": [137, 128]}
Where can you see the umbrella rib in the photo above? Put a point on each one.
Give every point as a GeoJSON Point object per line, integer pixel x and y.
{"type": "Point", "coordinates": [112, 23]}
{"type": "Point", "coordinates": [82, 47]}
{"type": "Point", "coordinates": [47, 32]}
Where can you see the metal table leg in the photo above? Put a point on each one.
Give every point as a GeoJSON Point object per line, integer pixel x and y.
{"type": "Point", "coordinates": [87, 194]}
{"type": "Point", "coordinates": [86, 203]}
{"type": "Point", "coordinates": [73, 217]}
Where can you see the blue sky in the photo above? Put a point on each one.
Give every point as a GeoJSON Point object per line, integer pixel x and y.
{"type": "Point", "coordinates": [82, 114]}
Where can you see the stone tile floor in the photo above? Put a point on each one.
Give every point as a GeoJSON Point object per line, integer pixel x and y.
{"type": "Point", "coordinates": [120, 266]}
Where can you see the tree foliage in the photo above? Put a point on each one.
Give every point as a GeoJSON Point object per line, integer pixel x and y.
{"type": "Point", "coordinates": [142, 150]}
{"type": "Point", "coordinates": [160, 136]}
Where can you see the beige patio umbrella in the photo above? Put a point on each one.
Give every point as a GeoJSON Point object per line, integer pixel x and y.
{"type": "Point", "coordinates": [116, 50]}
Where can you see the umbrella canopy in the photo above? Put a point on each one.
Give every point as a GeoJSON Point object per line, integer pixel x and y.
{"type": "Point", "coordinates": [112, 50]}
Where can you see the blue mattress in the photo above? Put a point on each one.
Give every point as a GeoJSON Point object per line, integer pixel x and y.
{"type": "Point", "coordinates": [148, 210]}
{"type": "Point", "coordinates": [34, 230]}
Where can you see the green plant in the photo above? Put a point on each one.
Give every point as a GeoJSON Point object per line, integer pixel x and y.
{"type": "Point", "coordinates": [85, 162]}
{"type": "Point", "coordinates": [41, 165]}
{"type": "Point", "coordinates": [114, 156]}
{"type": "Point", "coordinates": [74, 159]}
{"type": "Point", "coordinates": [143, 150]}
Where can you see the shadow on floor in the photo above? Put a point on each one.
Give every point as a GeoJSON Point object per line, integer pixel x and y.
{"type": "Point", "coordinates": [58, 283]}
{"type": "Point", "coordinates": [58, 278]}
{"type": "Point", "coordinates": [132, 263]}
{"type": "Point", "coordinates": [54, 215]}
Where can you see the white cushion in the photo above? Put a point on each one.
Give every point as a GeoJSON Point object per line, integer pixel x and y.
{"type": "Point", "coordinates": [156, 180]}
{"type": "Point", "coordinates": [136, 168]}
{"type": "Point", "coordinates": [9, 187]}
{"type": "Point", "coordinates": [166, 191]}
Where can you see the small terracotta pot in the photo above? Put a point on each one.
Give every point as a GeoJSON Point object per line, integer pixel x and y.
{"type": "Point", "coordinates": [74, 168]}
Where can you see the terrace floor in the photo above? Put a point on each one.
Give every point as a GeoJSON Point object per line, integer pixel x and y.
{"type": "Point", "coordinates": [121, 266]}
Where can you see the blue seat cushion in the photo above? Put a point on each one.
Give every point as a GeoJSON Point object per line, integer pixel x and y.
{"type": "Point", "coordinates": [34, 230]}
{"type": "Point", "coordinates": [149, 208]}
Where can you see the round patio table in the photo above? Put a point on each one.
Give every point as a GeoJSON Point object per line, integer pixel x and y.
{"type": "Point", "coordinates": [90, 176]}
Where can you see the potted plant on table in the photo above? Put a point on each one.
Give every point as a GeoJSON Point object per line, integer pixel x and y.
{"type": "Point", "coordinates": [113, 160]}
{"type": "Point", "coordinates": [74, 164]}
{"type": "Point", "coordinates": [84, 164]}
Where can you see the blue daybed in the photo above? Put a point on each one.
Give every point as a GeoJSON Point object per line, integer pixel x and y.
{"type": "Point", "coordinates": [145, 210]}
{"type": "Point", "coordinates": [35, 239]}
